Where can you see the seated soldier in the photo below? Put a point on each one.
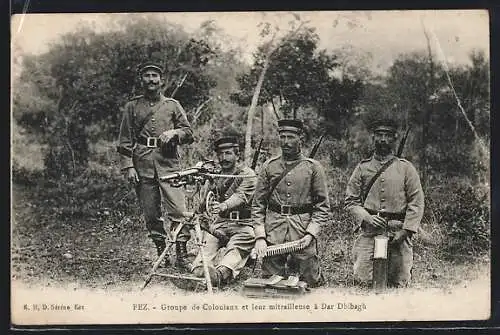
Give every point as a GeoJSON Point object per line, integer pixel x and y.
{"type": "Point", "coordinates": [233, 228]}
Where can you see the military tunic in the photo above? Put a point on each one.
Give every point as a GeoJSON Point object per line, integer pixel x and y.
{"type": "Point", "coordinates": [304, 186]}
{"type": "Point", "coordinates": [398, 196]}
{"type": "Point", "coordinates": [152, 163]}
{"type": "Point", "coordinates": [235, 223]}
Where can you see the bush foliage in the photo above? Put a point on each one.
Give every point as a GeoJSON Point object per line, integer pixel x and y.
{"type": "Point", "coordinates": [76, 91]}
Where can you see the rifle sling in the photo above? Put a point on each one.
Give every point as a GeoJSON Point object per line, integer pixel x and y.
{"type": "Point", "coordinates": [287, 169]}
{"type": "Point", "coordinates": [145, 120]}
{"type": "Point", "coordinates": [375, 177]}
{"type": "Point", "coordinates": [372, 181]}
{"type": "Point", "coordinates": [230, 188]}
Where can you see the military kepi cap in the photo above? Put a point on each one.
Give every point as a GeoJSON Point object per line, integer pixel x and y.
{"type": "Point", "coordinates": [290, 125]}
{"type": "Point", "coordinates": [226, 142]}
{"type": "Point", "coordinates": [384, 124]}
{"type": "Point", "coordinates": [150, 65]}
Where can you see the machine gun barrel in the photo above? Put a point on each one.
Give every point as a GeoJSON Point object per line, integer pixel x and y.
{"type": "Point", "coordinates": [180, 174]}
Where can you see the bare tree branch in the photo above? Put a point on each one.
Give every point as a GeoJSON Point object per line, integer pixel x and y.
{"type": "Point", "coordinates": [199, 109]}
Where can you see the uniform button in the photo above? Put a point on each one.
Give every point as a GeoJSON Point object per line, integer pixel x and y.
{"type": "Point", "coordinates": [152, 119]}
{"type": "Point", "coordinates": [382, 199]}
{"type": "Point", "coordinates": [382, 179]}
{"type": "Point", "coordinates": [382, 190]}
{"type": "Point", "coordinates": [288, 195]}
{"type": "Point", "coordinates": [288, 183]}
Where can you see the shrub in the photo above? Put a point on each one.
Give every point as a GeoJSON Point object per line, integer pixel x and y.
{"type": "Point", "coordinates": [460, 211]}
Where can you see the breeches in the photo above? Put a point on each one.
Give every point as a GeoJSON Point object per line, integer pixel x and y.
{"type": "Point", "coordinates": [304, 262]}
{"type": "Point", "coordinates": [235, 253]}
{"type": "Point", "coordinates": [400, 259]}
{"type": "Point", "coordinates": [150, 193]}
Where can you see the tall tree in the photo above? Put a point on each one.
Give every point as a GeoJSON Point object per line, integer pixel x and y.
{"type": "Point", "coordinates": [298, 76]}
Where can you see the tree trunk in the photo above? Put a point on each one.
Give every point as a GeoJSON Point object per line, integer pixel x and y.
{"type": "Point", "coordinates": [262, 121]}
{"type": "Point", "coordinates": [429, 106]}
{"type": "Point", "coordinates": [251, 112]}
{"type": "Point", "coordinates": [258, 87]}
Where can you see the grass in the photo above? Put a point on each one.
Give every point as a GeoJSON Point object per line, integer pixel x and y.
{"type": "Point", "coordinates": [89, 230]}
{"type": "Point", "coordinates": [100, 241]}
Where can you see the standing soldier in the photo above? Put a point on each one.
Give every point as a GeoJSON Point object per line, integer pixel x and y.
{"type": "Point", "coordinates": [291, 203]}
{"type": "Point", "coordinates": [233, 229]}
{"type": "Point", "coordinates": [152, 127]}
{"type": "Point", "coordinates": [390, 201]}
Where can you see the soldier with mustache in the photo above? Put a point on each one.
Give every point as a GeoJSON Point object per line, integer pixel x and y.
{"type": "Point", "coordinates": [152, 128]}
{"type": "Point", "coordinates": [394, 204]}
{"type": "Point", "coordinates": [232, 233]}
{"type": "Point", "coordinates": [290, 204]}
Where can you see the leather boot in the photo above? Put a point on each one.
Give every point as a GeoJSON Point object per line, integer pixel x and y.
{"type": "Point", "coordinates": [160, 247]}
{"type": "Point", "coordinates": [225, 274]}
{"type": "Point", "coordinates": [181, 261]}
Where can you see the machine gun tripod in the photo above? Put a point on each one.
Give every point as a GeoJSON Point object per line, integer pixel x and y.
{"type": "Point", "coordinates": [200, 176]}
{"type": "Point", "coordinates": [191, 176]}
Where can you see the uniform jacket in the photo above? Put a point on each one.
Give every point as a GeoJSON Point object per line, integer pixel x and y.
{"type": "Point", "coordinates": [236, 198]}
{"type": "Point", "coordinates": [168, 114]}
{"type": "Point", "coordinates": [397, 190]}
{"type": "Point", "coordinates": [305, 184]}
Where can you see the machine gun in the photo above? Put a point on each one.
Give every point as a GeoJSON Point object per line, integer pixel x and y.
{"type": "Point", "coordinates": [198, 173]}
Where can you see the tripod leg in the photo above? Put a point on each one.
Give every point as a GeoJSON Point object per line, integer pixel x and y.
{"type": "Point", "coordinates": [156, 265]}
{"type": "Point", "coordinates": [203, 258]}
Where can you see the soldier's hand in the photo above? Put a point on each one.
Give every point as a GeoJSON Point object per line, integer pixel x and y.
{"type": "Point", "coordinates": [218, 207]}
{"type": "Point", "coordinates": [132, 176]}
{"type": "Point", "coordinates": [400, 236]}
{"type": "Point", "coordinates": [377, 221]}
{"type": "Point", "coordinates": [167, 136]}
{"type": "Point", "coordinates": [215, 208]}
{"type": "Point", "coordinates": [260, 248]}
{"type": "Point", "coordinates": [306, 240]}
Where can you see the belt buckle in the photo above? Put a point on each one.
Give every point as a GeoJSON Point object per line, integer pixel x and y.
{"type": "Point", "coordinates": [152, 142]}
{"type": "Point", "coordinates": [286, 210]}
{"type": "Point", "coordinates": [234, 215]}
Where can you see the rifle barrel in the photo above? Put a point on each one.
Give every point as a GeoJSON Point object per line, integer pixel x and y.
{"type": "Point", "coordinates": [316, 146]}
{"type": "Point", "coordinates": [256, 155]}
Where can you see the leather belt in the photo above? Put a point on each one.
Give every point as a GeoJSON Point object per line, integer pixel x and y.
{"type": "Point", "coordinates": [150, 142]}
{"type": "Point", "coordinates": [236, 215]}
{"type": "Point", "coordinates": [388, 215]}
{"type": "Point", "coordinates": [290, 210]}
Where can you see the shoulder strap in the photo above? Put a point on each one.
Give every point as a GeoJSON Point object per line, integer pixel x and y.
{"type": "Point", "coordinates": [287, 169]}
{"type": "Point", "coordinates": [375, 177]}
{"type": "Point", "coordinates": [230, 188]}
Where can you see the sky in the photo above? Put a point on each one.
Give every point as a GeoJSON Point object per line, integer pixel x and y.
{"type": "Point", "coordinates": [379, 36]}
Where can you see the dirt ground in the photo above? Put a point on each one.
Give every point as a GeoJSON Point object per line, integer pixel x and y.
{"type": "Point", "coordinates": [99, 253]}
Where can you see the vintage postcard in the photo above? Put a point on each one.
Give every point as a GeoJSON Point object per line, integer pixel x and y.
{"type": "Point", "coordinates": [250, 167]}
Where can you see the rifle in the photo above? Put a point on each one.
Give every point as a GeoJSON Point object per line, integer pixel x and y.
{"type": "Point", "coordinates": [256, 155]}
{"type": "Point", "coordinates": [316, 145]}
{"type": "Point", "coordinates": [401, 145]}
{"type": "Point", "coordinates": [178, 85]}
